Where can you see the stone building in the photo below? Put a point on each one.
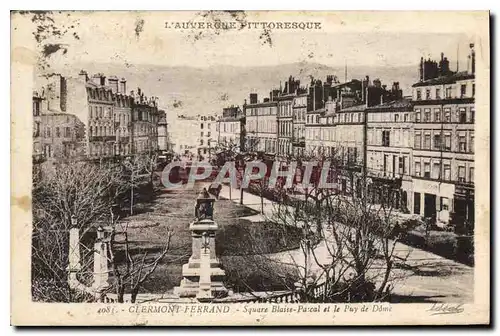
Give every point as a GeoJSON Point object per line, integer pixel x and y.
{"type": "Point", "coordinates": [208, 137]}
{"type": "Point", "coordinates": [261, 125]}
{"type": "Point", "coordinates": [37, 153]}
{"type": "Point", "coordinates": [389, 151]}
{"type": "Point", "coordinates": [144, 131]}
{"type": "Point", "coordinates": [443, 149]}
{"type": "Point", "coordinates": [164, 140]}
{"type": "Point", "coordinates": [62, 136]}
{"type": "Point", "coordinates": [230, 127]}
{"type": "Point", "coordinates": [122, 116]}
{"type": "Point", "coordinates": [115, 123]}
{"type": "Point", "coordinates": [299, 109]}
{"type": "Point", "coordinates": [185, 133]}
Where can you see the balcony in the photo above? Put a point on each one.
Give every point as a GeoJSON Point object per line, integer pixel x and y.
{"type": "Point", "coordinates": [103, 138]}
{"type": "Point", "coordinates": [299, 141]}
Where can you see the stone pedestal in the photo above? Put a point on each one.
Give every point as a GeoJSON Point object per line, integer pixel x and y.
{"type": "Point", "coordinates": [202, 275]}
{"type": "Point", "coordinates": [74, 265]}
{"type": "Point", "coordinates": [101, 269]}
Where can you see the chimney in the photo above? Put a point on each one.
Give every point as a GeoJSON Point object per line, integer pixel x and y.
{"type": "Point", "coordinates": [123, 86]}
{"type": "Point", "coordinates": [99, 79]}
{"type": "Point", "coordinates": [83, 76]}
{"type": "Point", "coordinates": [113, 83]}
{"type": "Point", "coordinates": [473, 58]}
{"type": "Point", "coordinates": [253, 98]}
{"type": "Point", "coordinates": [421, 69]}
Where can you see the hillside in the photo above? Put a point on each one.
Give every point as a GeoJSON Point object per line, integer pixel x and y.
{"type": "Point", "coordinates": [191, 91]}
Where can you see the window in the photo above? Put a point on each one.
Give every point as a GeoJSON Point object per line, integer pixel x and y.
{"type": "Point", "coordinates": [317, 119]}
{"type": "Point", "coordinates": [58, 133]}
{"type": "Point", "coordinates": [209, 125]}
{"type": "Point", "coordinates": [427, 141]}
{"type": "Point", "coordinates": [428, 94]}
{"type": "Point", "coordinates": [463, 90]}
{"type": "Point", "coordinates": [201, 134]}
{"type": "Point", "coordinates": [437, 115]}
{"type": "Point", "coordinates": [435, 170]}
{"type": "Point", "coordinates": [419, 95]}
{"type": "Point", "coordinates": [444, 203]}
{"type": "Point", "coordinates": [447, 115]}
{"type": "Point", "coordinates": [438, 93]}
{"type": "Point", "coordinates": [201, 125]}
{"type": "Point", "coordinates": [461, 174]}
{"type": "Point", "coordinates": [36, 131]}
{"type": "Point", "coordinates": [448, 92]}
{"type": "Point", "coordinates": [462, 116]}
{"type": "Point", "coordinates": [472, 115]}
{"type": "Point", "coordinates": [386, 138]}
{"type": "Point", "coordinates": [473, 90]}
{"type": "Point", "coordinates": [447, 142]}
{"type": "Point", "coordinates": [201, 142]}
{"type": "Point", "coordinates": [447, 172]}
{"type": "Point", "coordinates": [437, 141]}
{"type": "Point", "coordinates": [401, 165]}
{"type": "Point", "coordinates": [417, 168]}
{"type": "Point", "coordinates": [417, 117]}
{"type": "Point", "coordinates": [427, 115]}
{"type": "Point", "coordinates": [67, 132]}
{"type": "Point", "coordinates": [462, 143]}
{"type": "Point", "coordinates": [396, 118]}
{"type": "Point", "coordinates": [405, 117]}
{"type": "Point", "coordinates": [427, 169]}
{"type": "Point", "coordinates": [418, 140]}
{"type": "Point", "coordinates": [208, 134]}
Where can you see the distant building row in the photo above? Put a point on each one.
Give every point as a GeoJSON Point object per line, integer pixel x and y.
{"type": "Point", "coordinates": [95, 118]}
{"type": "Point", "coordinates": [424, 142]}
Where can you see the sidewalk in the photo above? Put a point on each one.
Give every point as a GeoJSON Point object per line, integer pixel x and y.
{"type": "Point", "coordinates": [423, 275]}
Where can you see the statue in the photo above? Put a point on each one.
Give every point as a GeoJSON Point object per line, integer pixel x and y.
{"type": "Point", "coordinates": [204, 206]}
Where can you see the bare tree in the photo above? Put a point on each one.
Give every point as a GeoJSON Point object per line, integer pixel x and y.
{"type": "Point", "coordinates": [69, 193]}
{"type": "Point", "coordinates": [135, 270]}
{"type": "Point", "coordinates": [347, 243]}
{"type": "Point", "coordinates": [137, 169]}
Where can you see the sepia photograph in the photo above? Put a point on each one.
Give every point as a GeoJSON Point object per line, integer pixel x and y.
{"type": "Point", "coordinates": [250, 168]}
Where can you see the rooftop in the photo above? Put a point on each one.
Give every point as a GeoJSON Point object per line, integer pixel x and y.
{"type": "Point", "coordinates": [450, 79]}
{"type": "Point", "coordinates": [401, 104]}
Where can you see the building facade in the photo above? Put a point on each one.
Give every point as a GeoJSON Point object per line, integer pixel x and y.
{"type": "Point", "coordinates": [261, 125]}
{"type": "Point", "coordinates": [443, 148]}
{"type": "Point", "coordinates": [116, 123]}
{"type": "Point", "coordinates": [144, 132]}
{"type": "Point", "coordinates": [208, 137]}
{"type": "Point", "coordinates": [185, 135]}
{"type": "Point", "coordinates": [230, 127]}
{"type": "Point", "coordinates": [299, 112]}
{"type": "Point", "coordinates": [164, 140]}
{"type": "Point", "coordinates": [389, 150]}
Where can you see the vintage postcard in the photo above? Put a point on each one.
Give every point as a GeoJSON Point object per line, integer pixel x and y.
{"type": "Point", "coordinates": [250, 168]}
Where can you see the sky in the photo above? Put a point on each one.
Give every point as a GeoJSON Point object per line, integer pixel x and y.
{"type": "Point", "coordinates": [350, 37]}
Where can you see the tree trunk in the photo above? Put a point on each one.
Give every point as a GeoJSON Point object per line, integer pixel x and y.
{"type": "Point", "coordinates": [131, 201]}
{"type": "Point", "coordinates": [241, 195]}
{"type": "Point", "coordinates": [133, 295]}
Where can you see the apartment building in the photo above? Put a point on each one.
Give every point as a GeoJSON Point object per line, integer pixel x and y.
{"type": "Point", "coordinates": [443, 150]}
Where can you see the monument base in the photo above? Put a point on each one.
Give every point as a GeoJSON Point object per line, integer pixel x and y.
{"type": "Point", "coordinates": [204, 283]}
